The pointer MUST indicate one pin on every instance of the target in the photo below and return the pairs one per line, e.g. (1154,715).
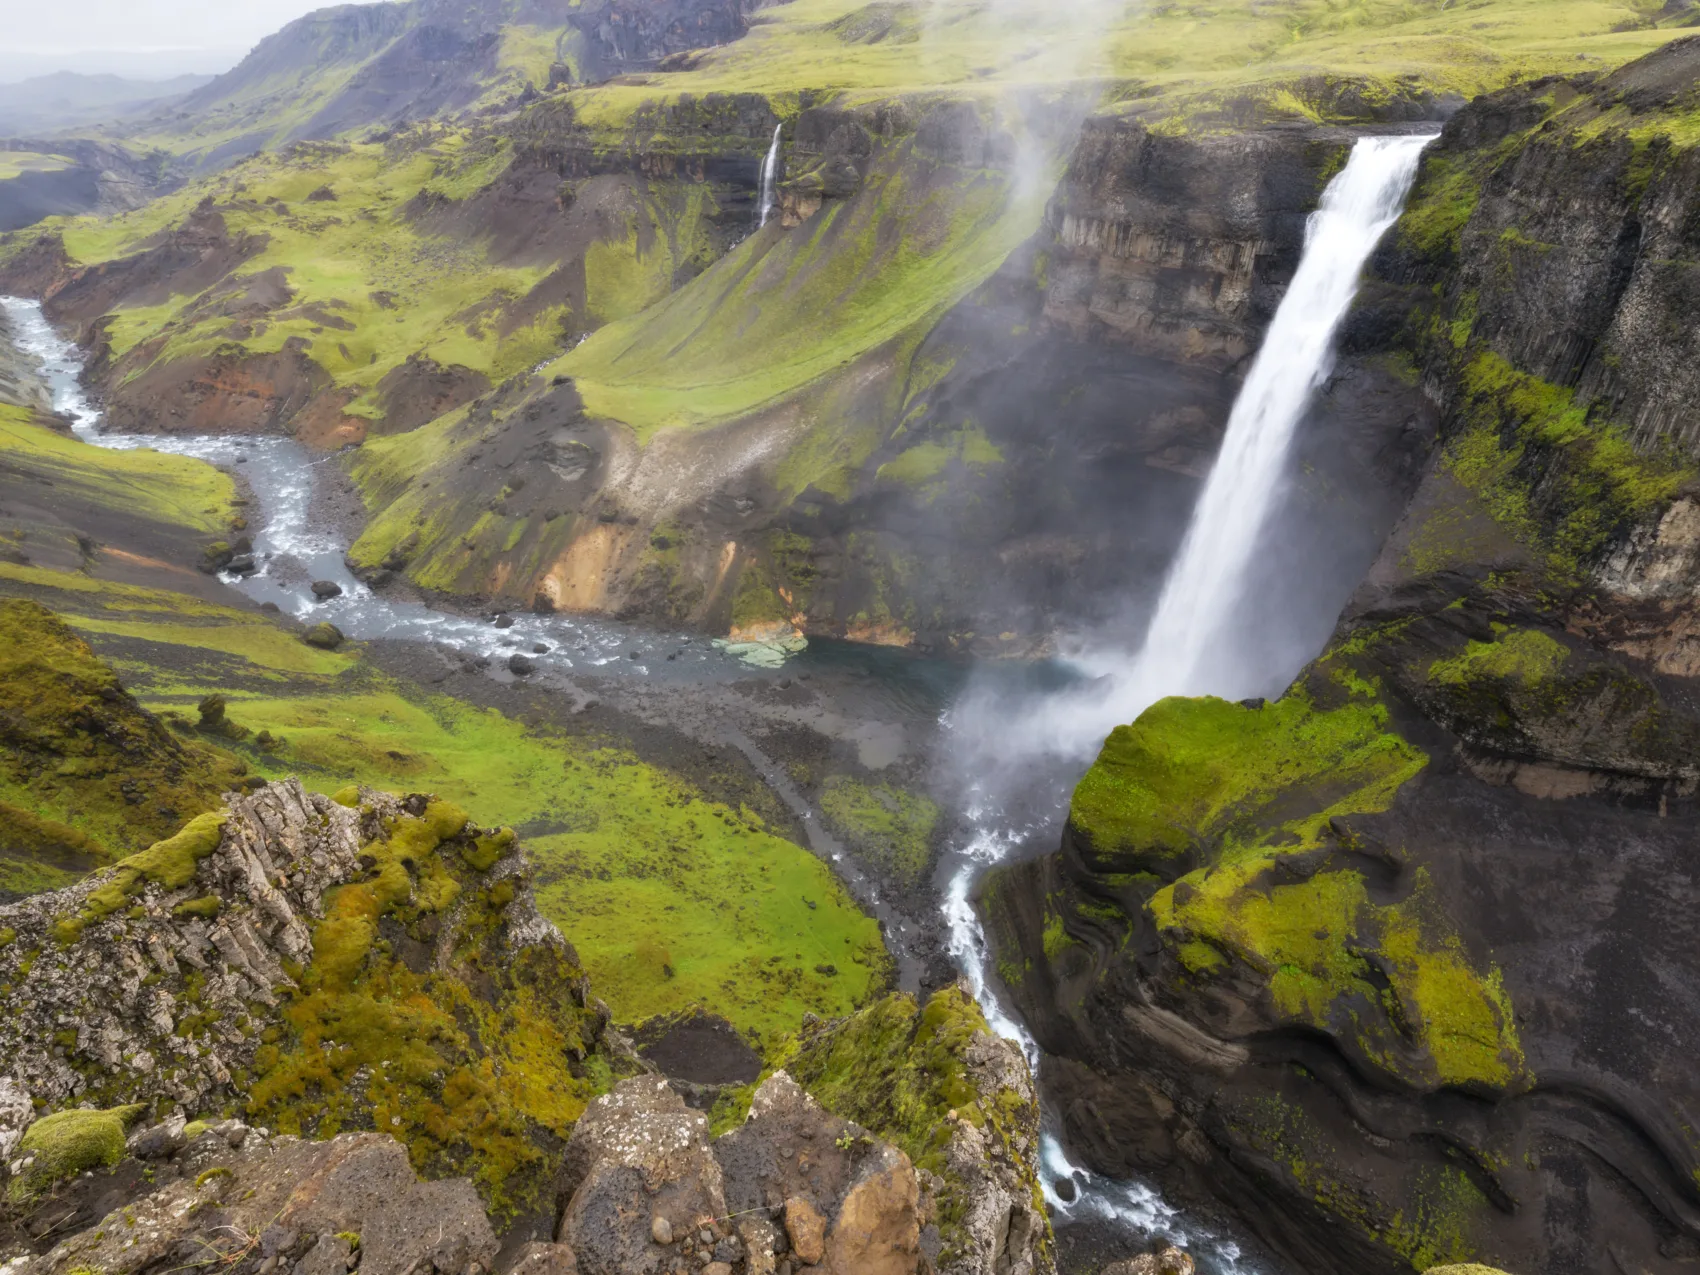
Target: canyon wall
(1392,966)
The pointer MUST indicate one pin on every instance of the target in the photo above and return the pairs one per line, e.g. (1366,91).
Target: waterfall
(769,180)
(1206,581)
(1194,615)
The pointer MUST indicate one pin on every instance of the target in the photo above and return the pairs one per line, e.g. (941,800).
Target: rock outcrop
(1390,966)
(249,1201)
(321,966)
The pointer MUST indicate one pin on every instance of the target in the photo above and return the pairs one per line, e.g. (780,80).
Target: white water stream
(1189,646)
(769,180)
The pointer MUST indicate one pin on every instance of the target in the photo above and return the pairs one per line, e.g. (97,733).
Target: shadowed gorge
(708,637)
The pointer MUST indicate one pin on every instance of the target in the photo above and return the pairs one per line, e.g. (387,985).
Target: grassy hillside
(751,919)
(1153,56)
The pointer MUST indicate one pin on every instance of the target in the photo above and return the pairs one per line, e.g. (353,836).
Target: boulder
(636,1156)
(521,664)
(324,590)
(324,635)
(1168,1261)
(545,1259)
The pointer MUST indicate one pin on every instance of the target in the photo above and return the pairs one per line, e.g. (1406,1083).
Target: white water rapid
(769,180)
(1189,646)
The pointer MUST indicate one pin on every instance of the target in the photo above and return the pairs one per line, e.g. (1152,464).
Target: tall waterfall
(1207,578)
(1184,651)
(769,180)
(1191,643)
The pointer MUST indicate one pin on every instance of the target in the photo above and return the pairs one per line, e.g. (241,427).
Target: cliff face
(1391,965)
(1006,462)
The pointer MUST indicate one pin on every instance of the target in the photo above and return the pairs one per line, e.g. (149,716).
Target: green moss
(901,1071)
(891,827)
(1190,773)
(1528,656)
(66,1144)
(485,851)
(476,1063)
(169,864)
(1562,485)
(1214,795)
(207,906)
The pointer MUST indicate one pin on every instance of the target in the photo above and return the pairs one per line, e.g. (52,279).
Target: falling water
(1206,582)
(769,180)
(1186,651)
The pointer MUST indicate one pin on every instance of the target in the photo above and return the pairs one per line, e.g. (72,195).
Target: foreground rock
(325,965)
(235,1198)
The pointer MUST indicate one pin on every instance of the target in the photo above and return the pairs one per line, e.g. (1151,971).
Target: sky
(143,38)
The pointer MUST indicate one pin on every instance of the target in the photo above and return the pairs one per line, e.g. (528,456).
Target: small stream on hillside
(1017,745)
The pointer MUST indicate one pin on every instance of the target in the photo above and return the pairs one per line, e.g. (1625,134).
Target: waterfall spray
(769,180)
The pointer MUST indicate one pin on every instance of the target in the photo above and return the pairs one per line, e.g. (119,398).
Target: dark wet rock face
(1392,966)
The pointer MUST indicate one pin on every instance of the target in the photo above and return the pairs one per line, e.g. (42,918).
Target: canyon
(707,417)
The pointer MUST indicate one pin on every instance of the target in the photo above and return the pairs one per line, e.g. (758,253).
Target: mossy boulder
(324,635)
(58,1147)
(959,1101)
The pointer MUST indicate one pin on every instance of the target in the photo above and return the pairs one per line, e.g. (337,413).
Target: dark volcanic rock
(324,590)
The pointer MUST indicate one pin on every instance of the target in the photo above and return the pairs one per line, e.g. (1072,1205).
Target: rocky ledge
(336,1033)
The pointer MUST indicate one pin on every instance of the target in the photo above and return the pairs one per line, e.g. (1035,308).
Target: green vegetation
(901,1070)
(1526,655)
(784,310)
(68,1143)
(1193,774)
(1292,57)
(888,826)
(79,752)
(15,163)
(1217,795)
(1436,1222)
(1591,485)
(397,265)
(176,490)
(672,899)
(38,854)
(476,1063)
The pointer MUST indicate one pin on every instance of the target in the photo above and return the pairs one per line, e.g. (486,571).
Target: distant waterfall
(769,180)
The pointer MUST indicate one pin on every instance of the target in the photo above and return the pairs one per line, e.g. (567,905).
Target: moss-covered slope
(320,967)
(85,771)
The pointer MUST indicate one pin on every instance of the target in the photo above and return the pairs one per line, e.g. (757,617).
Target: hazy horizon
(142,39)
